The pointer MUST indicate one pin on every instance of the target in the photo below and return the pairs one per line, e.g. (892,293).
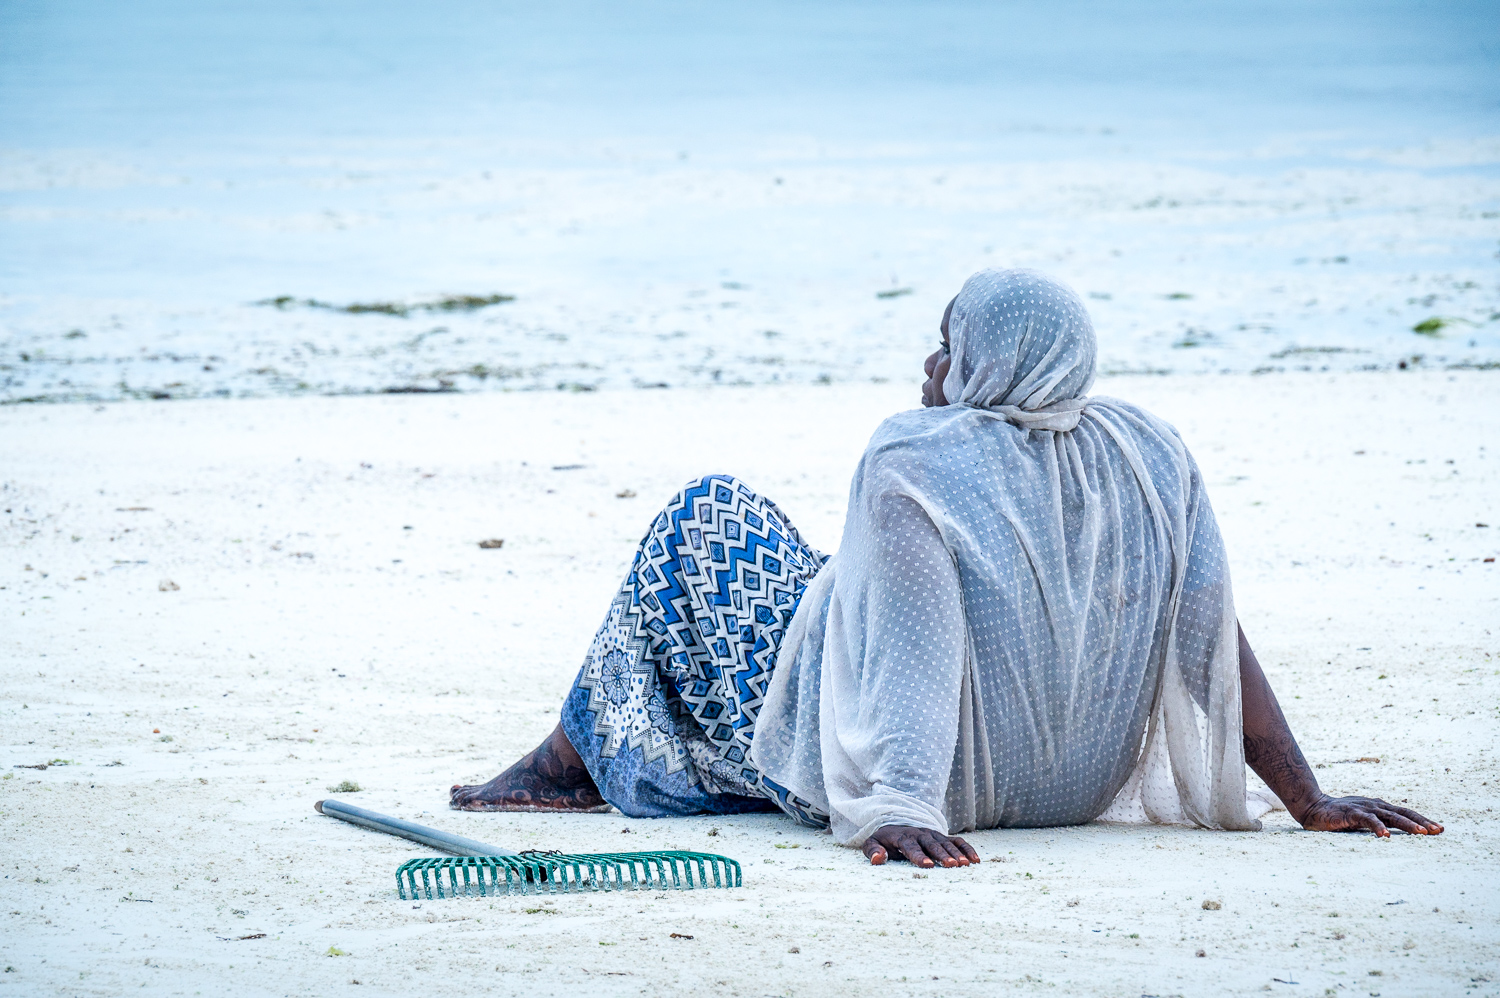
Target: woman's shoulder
(912,425)
(1134,415)
(910,436)
(1158,442)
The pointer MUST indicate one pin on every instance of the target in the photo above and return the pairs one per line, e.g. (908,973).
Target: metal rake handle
(447,842)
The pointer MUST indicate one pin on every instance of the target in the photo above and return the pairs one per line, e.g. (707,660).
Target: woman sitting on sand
(1028,623)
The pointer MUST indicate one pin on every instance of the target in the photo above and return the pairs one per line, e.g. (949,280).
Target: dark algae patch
(448,303)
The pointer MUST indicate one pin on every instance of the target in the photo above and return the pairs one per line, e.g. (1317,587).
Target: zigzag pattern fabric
(664,709)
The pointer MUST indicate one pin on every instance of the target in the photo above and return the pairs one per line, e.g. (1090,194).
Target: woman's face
(937,365)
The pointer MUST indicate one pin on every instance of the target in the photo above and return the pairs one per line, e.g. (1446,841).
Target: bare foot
(550,778)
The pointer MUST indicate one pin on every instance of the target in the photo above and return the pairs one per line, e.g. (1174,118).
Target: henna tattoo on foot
(546,779)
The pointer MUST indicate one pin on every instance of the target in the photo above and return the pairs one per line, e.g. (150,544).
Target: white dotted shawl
(1029,620)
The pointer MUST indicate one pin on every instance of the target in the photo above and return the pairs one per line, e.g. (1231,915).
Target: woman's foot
(551,777)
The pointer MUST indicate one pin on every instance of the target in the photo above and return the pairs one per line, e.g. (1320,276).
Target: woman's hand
(920,846)
(1354,814)
(1272,752)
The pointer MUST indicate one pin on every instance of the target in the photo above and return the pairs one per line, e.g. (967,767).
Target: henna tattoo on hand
(1277,759)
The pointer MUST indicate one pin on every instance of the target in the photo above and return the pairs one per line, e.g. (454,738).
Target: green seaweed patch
(1177,296)
(1432,326)
(466,303)
(449,303)
(376,307)
(483,372)
(1191,338)
(893,293)
(346,787)
(1293,351)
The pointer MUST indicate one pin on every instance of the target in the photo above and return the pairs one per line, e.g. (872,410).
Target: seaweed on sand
(448,303)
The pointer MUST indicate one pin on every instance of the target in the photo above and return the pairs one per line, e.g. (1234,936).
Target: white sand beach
(217,609)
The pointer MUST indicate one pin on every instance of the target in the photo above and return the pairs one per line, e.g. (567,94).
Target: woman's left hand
(920,846)
(1354,814)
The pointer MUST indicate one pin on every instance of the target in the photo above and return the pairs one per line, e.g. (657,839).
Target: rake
(481,870)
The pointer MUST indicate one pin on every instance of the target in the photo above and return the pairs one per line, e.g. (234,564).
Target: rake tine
(662,868)
(426,887)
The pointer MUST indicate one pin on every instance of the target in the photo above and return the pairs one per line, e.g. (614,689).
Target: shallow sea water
(689,194)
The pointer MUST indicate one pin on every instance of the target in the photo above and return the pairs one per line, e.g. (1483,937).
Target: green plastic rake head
(558,873)
(483,870)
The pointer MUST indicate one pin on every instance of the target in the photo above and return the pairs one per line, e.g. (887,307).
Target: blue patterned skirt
(663,710)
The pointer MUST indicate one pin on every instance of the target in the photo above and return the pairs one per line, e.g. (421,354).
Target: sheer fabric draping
(1029,620)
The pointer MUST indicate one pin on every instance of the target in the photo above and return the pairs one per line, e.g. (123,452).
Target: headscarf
(1023,349)
(1029,620)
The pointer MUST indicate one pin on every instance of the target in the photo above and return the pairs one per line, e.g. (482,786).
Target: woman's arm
(1272,752)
